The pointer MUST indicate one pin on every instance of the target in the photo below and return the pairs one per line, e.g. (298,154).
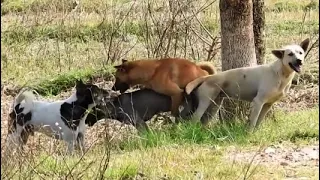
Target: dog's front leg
(211,110)
(265,109)
(80,142)
(70,147)
(202,107)
(256,107)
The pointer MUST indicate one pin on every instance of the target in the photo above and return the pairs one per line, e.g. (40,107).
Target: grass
(296,127)
(64,81)
(84,33)
(185,151)
(74,33)
(47,45)
(55,85)
(88,38)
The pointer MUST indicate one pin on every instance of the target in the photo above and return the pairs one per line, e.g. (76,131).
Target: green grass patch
(65,81)
(289,28)
(295,127)
(83,33)
(292,6)
(187,133)
(38,6)
(125,172)
(57,84)
(183,151)
(75,33)
(178,162)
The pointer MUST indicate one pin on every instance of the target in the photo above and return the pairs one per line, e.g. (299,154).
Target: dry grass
(183,152)
(48,44)
(59,40)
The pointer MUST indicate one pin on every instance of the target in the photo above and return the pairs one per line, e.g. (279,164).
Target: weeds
(47,45)
(287,128)
(182,150)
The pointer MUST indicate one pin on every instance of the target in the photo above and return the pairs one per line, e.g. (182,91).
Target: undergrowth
(65,81)
(178,151)
(298,126)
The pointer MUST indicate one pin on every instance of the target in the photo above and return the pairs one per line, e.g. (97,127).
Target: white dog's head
(292,56)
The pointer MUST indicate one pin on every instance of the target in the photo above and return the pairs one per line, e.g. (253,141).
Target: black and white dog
(140,106)
(63,120)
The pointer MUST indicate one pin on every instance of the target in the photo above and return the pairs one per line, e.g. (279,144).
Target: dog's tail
(207,66)
(195,83)
(28,97)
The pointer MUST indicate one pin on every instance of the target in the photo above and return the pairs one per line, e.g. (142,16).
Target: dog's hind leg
(176,102)
(256,107)
(80,142)
(205,96)
(70,147)
(265,109)
(70,140)
(176,93)
(203,105)
(211,110)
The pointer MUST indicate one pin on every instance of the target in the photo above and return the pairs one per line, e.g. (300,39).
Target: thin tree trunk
(237,46)
(259,30)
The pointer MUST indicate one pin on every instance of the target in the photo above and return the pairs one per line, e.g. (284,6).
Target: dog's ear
(91,80)
(124,61)
(278,53)
(304,44)
(123,67)
(79,83)
(120,68)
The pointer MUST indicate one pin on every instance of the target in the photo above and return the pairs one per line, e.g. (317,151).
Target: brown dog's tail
(207,66)
(195,83)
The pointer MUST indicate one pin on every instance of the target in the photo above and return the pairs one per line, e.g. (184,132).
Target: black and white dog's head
(90,93)
(87,96)
(107,109)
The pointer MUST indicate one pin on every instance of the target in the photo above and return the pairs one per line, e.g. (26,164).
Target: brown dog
(168,76)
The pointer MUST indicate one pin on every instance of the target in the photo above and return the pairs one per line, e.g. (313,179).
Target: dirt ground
(289,157)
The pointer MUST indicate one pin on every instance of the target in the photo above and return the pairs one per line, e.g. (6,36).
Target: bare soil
(289,157)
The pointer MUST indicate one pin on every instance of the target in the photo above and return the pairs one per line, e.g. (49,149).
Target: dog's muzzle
(296,66)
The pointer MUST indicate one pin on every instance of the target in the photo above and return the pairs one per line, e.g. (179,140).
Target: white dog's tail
(195,83)
(28,97)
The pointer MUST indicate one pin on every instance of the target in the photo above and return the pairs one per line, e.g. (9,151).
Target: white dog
(61,119)
(262,85)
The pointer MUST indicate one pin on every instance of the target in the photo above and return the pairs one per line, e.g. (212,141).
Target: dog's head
(121,84)
(90,93)
(106,110)
(292,56)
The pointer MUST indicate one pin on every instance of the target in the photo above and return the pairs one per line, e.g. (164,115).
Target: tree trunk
(259,36)
(258,30)
(237,46)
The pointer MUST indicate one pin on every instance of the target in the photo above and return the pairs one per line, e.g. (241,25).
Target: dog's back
(140,105)
(143,103)
(157,73)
